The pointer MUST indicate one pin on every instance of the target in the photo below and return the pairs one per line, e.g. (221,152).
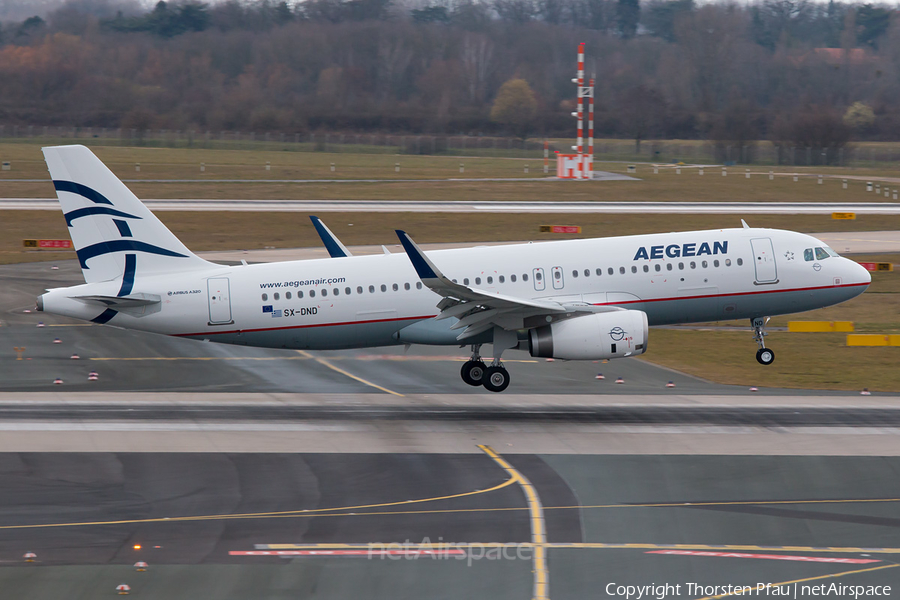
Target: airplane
(588,299)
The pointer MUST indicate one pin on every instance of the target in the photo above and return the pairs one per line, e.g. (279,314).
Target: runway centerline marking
(587,546)
(332,512)
(325,363)
(849,561)
(796,581)
(538,531)
(306,512)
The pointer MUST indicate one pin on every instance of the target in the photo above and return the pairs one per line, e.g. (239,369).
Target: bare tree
(476,61)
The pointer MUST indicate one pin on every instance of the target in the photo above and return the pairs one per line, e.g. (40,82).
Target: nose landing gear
(765,356)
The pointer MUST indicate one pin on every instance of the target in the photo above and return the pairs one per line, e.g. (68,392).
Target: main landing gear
(765,356)
(494,378)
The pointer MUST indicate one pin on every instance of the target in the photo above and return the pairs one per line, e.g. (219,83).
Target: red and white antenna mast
(584,162)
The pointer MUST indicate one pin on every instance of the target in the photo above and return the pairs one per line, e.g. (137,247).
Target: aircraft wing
(480,310)
(334,246)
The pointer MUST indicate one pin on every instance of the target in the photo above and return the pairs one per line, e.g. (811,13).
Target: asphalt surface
(638,414)
(213,525)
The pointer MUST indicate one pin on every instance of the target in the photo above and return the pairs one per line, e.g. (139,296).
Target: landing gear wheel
(765,356)
(473,372)
(496,379)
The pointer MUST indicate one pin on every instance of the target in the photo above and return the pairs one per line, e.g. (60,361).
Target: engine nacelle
(592,337)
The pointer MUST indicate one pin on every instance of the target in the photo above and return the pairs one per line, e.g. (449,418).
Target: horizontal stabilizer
(120,302)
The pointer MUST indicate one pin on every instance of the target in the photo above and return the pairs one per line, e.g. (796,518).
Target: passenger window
(808,254)
(512,278)
(633,269)
(383,288)
(587,272)
(681,266)
(490,280)
(740,262)
(668,266)
(336,291)
(705,264)
(324,292)
(574,272)
(287,295)
(647,268)
(406,286)
(821,254)
(716,263)
(557,275)
(621,270)
(395,287)
(359,289)
(599,272)
(693,265)
(610,271)
(538,276)
(312,293)
(418,285)
(727,262)
(299,294)
(478,281)
(658,268)
(348,291)
(276,296)
(371,289)
(265,297)
(466,281)
(524,276)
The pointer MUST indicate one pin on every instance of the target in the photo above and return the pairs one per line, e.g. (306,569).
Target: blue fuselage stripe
(105,316)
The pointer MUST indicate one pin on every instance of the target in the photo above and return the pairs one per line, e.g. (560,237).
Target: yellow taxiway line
(325,363)
(538,529)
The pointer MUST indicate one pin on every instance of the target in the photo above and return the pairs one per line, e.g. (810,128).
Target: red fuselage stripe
(306,326)
(807,289)
(420,318)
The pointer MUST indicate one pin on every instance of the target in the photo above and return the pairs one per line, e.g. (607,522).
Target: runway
(462,206)
(478,525)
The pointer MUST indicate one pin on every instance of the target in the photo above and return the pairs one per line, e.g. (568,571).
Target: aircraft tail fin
(114,234)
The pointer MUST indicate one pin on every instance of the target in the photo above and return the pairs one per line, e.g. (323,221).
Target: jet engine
(592,337)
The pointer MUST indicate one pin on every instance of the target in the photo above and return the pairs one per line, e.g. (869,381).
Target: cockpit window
(808,254)
(832,252)
(821,254)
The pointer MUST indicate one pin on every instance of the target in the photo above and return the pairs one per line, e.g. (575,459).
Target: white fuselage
(372,300)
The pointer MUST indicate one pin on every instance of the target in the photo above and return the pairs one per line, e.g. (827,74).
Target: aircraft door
(764,260)
(538,276)
(219,295)
(558,281)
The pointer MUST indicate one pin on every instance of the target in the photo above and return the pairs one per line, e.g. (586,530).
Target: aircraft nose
(859,274)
